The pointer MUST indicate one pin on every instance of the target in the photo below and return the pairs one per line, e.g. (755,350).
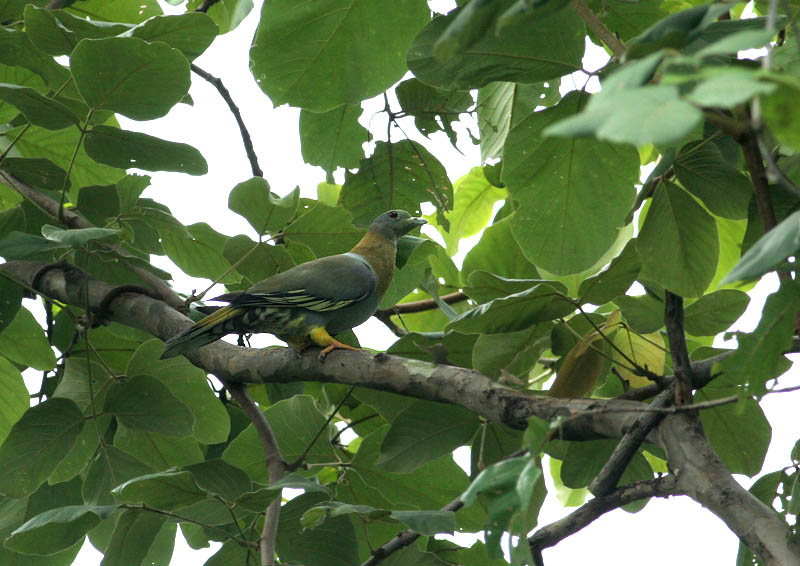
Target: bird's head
(395,223)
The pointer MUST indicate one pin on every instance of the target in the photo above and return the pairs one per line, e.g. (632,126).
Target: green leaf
(484,286)
(266,212)
(703,171)
(144,403)
(584,460)
(191,33)
(729,90)
(433,110)
(715,312)
(638,116)
(158,451)
(514,352)
(333,139)
(451,348)
(529,51)
(331,544)
(678,228)
(614,280)
(37,172)
(76,237)
(782,117)
(80,455)
(21,245)
(759,356)
(676,30)
(573,194)
(324,229)
(11,294)
(133,534)
(23,341)
(218,477)
(484,257)
(130,76)
(256,261)
(735,42)
(36,443)
(769,251)
(423,432)
(295,423)
(39,110)
(15,399)
(474,200)
(167,490)
(332,57)
(643,313)
(57,529)
(199,255)
(17,50)
(398,175)
(128,11)
(57,32)
(124,149)
(12,9)
(227,14)
(739,432)
(540,303)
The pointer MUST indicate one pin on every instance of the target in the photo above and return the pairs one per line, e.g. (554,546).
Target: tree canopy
(615,286)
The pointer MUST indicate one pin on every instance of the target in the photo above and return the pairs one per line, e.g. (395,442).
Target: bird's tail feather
(204,331)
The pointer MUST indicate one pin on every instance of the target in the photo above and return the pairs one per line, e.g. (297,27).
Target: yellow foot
(321,337)
(335,344)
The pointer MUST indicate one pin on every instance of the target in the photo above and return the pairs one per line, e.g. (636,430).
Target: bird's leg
(321,337)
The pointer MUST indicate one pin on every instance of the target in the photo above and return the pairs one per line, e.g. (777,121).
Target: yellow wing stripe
(216,317)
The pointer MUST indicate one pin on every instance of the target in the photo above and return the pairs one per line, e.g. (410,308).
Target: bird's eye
(393,214)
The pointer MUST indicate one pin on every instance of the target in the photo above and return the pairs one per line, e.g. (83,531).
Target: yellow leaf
(647,350)
(582,365)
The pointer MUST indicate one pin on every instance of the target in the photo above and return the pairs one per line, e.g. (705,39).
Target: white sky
(618,537)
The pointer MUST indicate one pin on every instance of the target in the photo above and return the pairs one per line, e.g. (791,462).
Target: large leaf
(423,432)
(130,76)
(324,229)
(110,467)
(144,403)
(10,299)
(57,529)
(163,490)
(715,312)
(337,52)
(133,534)
(38,109)
(295,423)
(199,255)
(266,212)
(15,399)
(397,175)
(189,385)
(773,247)
(484,257)
(532,50)
(701,168)
(759,356)
(23,341)
(191,33)
(573,194)
(124,149)
(475,197)
(678,243)
(57,32)
(36,443)
(333,139)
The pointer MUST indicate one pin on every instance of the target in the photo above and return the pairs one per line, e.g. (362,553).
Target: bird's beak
(414,222)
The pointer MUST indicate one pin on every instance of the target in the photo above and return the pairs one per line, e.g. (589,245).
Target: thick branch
(594,508)
(704,478)
(226,96)
(673,320)
(72,220)
(276,466)
(598,27)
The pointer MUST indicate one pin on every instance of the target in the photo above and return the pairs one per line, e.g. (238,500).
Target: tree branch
(606,480)
(276,466)
(673,319)
(423,305)
(50,207)
(594,508)
(700,473)
(597,26)
(226,96)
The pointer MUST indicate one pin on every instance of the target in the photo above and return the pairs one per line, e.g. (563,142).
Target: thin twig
(294,465)
(597,26)
(226,96)
(594,508)
(276,467)
(401,540)
(423,305)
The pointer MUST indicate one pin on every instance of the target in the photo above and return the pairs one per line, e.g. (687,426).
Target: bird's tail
(204,331)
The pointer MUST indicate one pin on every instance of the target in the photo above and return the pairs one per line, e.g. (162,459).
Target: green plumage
(310,301)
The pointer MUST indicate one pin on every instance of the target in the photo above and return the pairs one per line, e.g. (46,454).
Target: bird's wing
(325,284)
